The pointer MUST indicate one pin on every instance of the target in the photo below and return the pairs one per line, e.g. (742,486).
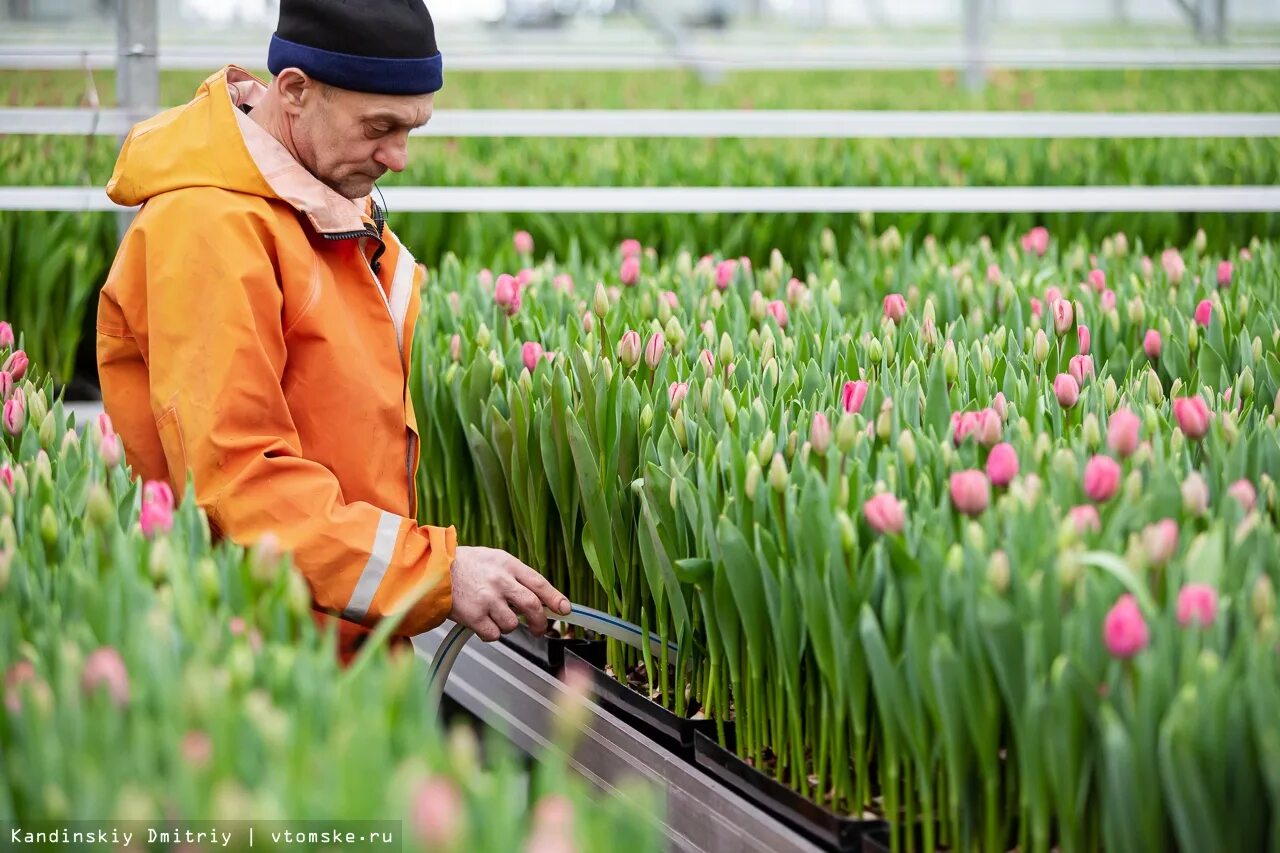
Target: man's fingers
(529,606)
(504,617)
(541,587)
(486,629)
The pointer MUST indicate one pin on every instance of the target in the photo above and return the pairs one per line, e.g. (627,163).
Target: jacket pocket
(175,449)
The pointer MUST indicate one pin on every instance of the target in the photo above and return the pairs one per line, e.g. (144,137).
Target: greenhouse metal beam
(772,124)
(517,698)
(482,58)
(1117,199)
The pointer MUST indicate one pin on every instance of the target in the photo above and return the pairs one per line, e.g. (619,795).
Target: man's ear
(295,87)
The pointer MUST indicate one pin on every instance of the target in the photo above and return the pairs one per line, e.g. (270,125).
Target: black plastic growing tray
(548,652)
(832,831)
(675,733)
(876,840)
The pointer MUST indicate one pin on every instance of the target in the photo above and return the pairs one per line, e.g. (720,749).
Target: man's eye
(378,130)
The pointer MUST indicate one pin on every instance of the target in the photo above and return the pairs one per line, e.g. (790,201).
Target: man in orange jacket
(256,326)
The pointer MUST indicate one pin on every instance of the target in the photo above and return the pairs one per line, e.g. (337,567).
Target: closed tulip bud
(875,351)
(752,479)
(629,349)
(654,350)
(1155,391)
(483,337)
(846,433)
(950,361)
(681,430)
(1066,389)
(955,559)
(998,574)
(48,526)
(1195,494)
(675,334)
(600,300)
(771,373)
(1070,570)
(1092,431)
(1230,428)
(884,422)
(498,371)
(848,534)
(906,447)
(1262,598)
(98,506)
(1063,316)
(835,295)
(1246,382)
(47,430)
(975,537)
(756,306)
(778,474)
(820,433)
(1040,347)
(1064,465)
(765,449)
(792,439)
(767,353)
(1137,311)
(726,348)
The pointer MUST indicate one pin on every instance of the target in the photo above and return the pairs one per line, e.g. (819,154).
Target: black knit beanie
(383,46)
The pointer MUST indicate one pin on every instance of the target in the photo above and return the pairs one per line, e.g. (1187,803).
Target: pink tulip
(676,393)
(777,309)
(796,291)
(1037,307)
(820,433)
(708,361)
(1000,405)
(993,273)
(523,241)
(1192,415)
(1036,240)
(1174,266)
(105,668)
(629,348)
(885,513)
(1152,345)
(1244,493)
(6,385)
(19,674)
(895,307)
(1085,519)
(970,492)
(1224,274)
(455,347)
(436,812)
(989,428)
(1098,279)
(1148,268)
(110,450)
(15,415)
(962,426)
(1083,338)
(1204,313)
(1063,316)
(852,396)
(725,271)
(16,365)
(197,749)
(155,518)
(1245,255)
(485,277)
(1052,295)
(669,296)
(1080,367)
(6,336)
(1108,301)
(1101,478)
(654,350)
(1124,630)
(506,294)
(746,263)
(158,492)
(1160,541)
(563,283)
(529,354)
(631,248)
(524,278)
(552,830)
(629,274)
(1122,433)
(1067,390)
(6,476)
(1197,605)
(1002,464)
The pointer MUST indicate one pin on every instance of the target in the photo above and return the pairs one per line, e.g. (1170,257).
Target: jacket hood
(211,142)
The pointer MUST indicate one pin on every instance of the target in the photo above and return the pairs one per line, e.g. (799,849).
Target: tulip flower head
(1124,630)
(725,272)
(1204,313)
(1036,241)
(16,365)
(1085,519)
(530,354)
(1124,433)
(970,492)
(1066,389)
(1244,493)
(853,395)
(6,336)
(1224,275)
(629,272)
(885,513)
(1152,344)
(1101,478)
(1192,415)
(104,668)
(1002,464)
(1197,605)
(895,307)
(631,248)
(1160,541)
(523,242)
(506,294)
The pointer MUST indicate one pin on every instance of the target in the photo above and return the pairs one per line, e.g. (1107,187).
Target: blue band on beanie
(412,76)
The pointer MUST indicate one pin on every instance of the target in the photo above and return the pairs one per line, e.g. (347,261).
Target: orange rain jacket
(256,328)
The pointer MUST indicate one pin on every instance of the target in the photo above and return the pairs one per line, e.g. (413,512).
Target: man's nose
(393,155)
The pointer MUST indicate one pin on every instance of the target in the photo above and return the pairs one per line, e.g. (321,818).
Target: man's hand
(490,587)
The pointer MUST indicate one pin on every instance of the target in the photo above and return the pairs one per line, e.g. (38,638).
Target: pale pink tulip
(895,307)
(1197,605)
(1192,415)
(1000,405)
(524,278)
(1002,464)
(1124,630)
(1036,240)
(970,492)
(1101,478)
(962,426)
(435,813)
(1174,266)
(1244,494)
(455,347)
(197,749)
(16,365)
(1245,255)
(523,242)
(989,428)
(629,348)
(629,274)
(1083,338)
(563,283)
(1108,301)
(1160,541)
(676,393)
(1037,307)
(820,433)
(777,309)
(654,350)
(1148,268)
(1067,390)
(6,336)
(158,492)
(485,277)
(1123,433)
(669,296)
(15,415)
(725,272)
(1052,295)
(708,361)
(796,291)
(6,476)
(110,450)
(105,668)
(1224,274)
(1152,344)
(853,395)
(631,248)
(1204,313)
(1098,279)
(1085,519)
(6,385)
(1063,316)
(1080,367)
(993,273)
(529,354)
(885,513)
(19,674)
(155,518)
(506,294)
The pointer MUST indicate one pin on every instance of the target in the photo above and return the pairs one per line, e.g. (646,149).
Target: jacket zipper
(376,233)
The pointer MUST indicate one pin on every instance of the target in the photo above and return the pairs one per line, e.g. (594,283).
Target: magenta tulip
(1002,464)
(1124,630)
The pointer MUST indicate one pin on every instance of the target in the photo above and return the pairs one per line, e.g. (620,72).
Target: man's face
(349,140)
